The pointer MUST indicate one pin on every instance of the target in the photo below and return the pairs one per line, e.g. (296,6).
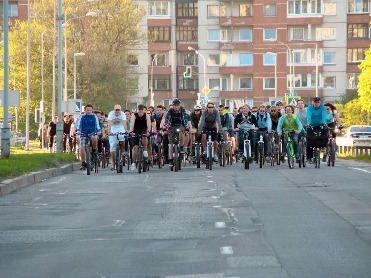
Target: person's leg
(240,140)
(295,139)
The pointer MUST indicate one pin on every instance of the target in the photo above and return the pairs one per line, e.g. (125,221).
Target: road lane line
(362,170)
(58,181)
(118,223)
(226,250)
(219,224)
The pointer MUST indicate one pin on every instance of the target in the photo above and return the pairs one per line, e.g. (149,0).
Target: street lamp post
(60,115)
(5,130)
(291,65)
(203,59)
(152,102)
(65,24)
(275,73)
(74,72)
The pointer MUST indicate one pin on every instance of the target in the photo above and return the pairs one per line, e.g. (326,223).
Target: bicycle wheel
(159,156)
(140,159)
(261,154)
(210,157)
(96,165)
(222,155)
(117,158)
(103,158)
(247,157)
(300,155)
(279,152)
(303,153)
(88,159)
(176,157)
(332,153)
(198,156)
(317,158)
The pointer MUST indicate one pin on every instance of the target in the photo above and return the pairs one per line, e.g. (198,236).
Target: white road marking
(217,206)
(210,181)
(61,193)
(58,181)
(219,224)
(226,250)
(146,178)
(118,223)
(362,170)
(37,198)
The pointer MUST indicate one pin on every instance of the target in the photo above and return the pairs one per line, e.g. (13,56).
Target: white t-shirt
(117,121)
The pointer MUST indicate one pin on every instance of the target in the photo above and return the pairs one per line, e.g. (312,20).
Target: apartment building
(250,51)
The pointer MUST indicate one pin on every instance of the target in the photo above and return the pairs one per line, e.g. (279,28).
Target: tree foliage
(364,84)
(104,75)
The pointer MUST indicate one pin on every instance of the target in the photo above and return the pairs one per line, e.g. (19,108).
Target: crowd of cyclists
(177,125)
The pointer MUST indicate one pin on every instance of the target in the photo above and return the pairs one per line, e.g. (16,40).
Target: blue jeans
(252,138)
(295,140)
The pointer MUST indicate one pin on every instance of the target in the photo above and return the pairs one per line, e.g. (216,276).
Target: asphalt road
(228,222)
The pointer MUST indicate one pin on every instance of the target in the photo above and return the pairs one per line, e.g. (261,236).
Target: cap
(176,101)
(279,102)
(316,99)
(197,107)
(117,106)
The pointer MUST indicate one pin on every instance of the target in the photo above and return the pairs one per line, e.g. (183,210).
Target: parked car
(359,131)
(20,138)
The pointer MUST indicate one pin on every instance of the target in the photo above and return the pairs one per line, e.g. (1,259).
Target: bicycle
(104,156)
(176,152)
(330,150)
(246,150)
(317,138)
(289,148)
(209,150)
(273,149)
(120,159)
(302,150)
(160,160)
(92,162)
(142,163)
(260,149)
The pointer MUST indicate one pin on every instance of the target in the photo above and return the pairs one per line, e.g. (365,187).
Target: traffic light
(188,72)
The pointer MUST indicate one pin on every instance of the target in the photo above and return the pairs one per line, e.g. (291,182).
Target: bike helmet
(176,101)
(279,103)
(197,107)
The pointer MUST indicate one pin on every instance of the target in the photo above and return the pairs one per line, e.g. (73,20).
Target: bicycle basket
(317,137)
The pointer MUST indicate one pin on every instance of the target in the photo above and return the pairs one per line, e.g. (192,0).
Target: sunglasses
(273,111)
(210,107)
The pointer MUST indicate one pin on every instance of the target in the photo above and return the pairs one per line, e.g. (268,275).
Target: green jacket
(285,124)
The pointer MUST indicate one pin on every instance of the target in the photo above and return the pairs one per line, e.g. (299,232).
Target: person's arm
(337,119)
(269,121)
(132,122)
(185,118)
(299,124)
(254,121)
(97,126)
(237,120)
(220,128)
(149,124)
(167,118)
(201,123)
(280,124)
(309,115)
(323,115)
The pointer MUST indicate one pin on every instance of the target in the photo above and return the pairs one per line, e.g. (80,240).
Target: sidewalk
(11,185)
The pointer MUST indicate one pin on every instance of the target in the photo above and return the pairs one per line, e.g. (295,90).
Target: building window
(355,55)
(299,7)
(325,34)
(245,83)
(246,34)
(216,11)
(12,10)
(358,31)
(161,82)
(269,59)
(187,9)
(132,59)
(190,84)
(159,34)
(189,59)
(159,8)
(160,60)
(329,8)
(270,10)
(329,58)
(186,33)
(246,59)
(297,34)
(213,35)
(245,10)
(357,6)
(304,80)
(270,34)
(213,60)
(269,83)
(329,82)
(218,84)
(352,80)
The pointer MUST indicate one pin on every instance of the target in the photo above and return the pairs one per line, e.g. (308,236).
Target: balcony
(236,70)
(236,46)
(304,19)
(235,21)
(183,45)
(159,46)
(160,69)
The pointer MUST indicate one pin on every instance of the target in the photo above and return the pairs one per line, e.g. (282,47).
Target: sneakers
(297,160)
(171,163)
(133,167)
(204,153)
(83,166)
(310,161)
(215,158)
(145,154)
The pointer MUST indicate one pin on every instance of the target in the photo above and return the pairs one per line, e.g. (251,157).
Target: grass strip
(22,162)
(363,157)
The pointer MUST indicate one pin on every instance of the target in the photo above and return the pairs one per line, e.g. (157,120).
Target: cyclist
(195,119)
(301,112)
(66,133)
(210,122)
(226,121)
(87,124)
(316,116)
(103,139)
(290,122)
(152,133)
(176,118)
(332,120)
(246,121)
(116,123)
(140,124)
(158,116)
(264,124)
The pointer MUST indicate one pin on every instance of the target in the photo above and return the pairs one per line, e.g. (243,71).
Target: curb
(11,185)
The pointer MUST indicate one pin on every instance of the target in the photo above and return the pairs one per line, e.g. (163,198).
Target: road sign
(292,100)
(14,98)
(78,106)
(206,90)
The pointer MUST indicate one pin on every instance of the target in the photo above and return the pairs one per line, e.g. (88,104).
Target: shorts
(84,140)
(212,131)
(172,133)
(135,140)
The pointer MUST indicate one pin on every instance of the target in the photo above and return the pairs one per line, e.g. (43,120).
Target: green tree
(364,84)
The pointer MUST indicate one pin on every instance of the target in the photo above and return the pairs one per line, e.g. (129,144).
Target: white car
(359,131)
